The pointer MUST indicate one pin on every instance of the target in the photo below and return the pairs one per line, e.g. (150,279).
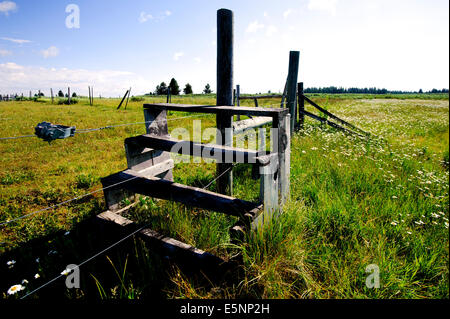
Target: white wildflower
(14,289)
(24,282)
(37,276)
(66,272)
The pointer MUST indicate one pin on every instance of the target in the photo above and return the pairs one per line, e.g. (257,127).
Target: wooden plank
(156,124)
(325,121)
(269,188)
(128,97)
(333,116)
(191,196)
(294,57)
(219,153)
(243,110)
(271,96)
(123,99)
(241,126)
(165,244)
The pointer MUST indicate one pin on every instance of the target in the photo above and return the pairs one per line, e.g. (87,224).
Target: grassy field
(354,202)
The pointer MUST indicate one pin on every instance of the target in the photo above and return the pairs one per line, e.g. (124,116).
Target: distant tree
(207,89)
(74,94)
(187,89)
(161,89)
(174,88)
(60,93)
(420,91)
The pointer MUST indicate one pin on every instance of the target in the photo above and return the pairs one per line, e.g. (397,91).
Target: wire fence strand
(124,238)
(82,131)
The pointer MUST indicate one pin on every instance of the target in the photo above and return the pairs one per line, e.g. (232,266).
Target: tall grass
(354,202)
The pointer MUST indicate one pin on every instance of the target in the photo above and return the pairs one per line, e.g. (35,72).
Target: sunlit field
(355,202)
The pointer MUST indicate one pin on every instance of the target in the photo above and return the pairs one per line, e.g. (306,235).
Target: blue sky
(396,44)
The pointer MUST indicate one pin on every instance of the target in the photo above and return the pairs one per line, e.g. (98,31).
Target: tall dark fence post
(224,94)
(294,57)
(301,106)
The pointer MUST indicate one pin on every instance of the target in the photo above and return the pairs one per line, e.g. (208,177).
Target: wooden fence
(150,166)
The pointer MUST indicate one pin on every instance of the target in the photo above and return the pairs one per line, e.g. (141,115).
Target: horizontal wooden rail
(188,195)
(333,116)
(232,110)
(167,245)
(272,96)
(220,153)
(241,126)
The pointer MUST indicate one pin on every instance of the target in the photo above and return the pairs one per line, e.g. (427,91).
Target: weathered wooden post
(301,106)
(68,94)
(51,93)
(129,92)
(224,94)
(294,57)
(282,145)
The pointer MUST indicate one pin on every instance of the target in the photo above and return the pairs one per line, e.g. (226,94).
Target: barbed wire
(87,260)
(82,131)
(126,237)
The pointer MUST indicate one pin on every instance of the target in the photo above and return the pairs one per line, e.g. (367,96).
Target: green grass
(353,203)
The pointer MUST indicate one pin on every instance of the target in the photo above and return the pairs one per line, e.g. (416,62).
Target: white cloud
(144,17)
(50,52)
(197,60)
(265,14)
(287,13)
(271,30)
(19,41)
(254,27)
(323,5)
(178,55)
(19,78)
(5,52)
(7,6)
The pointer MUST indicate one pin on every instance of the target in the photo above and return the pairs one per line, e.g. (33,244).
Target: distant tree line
(163,88)
(374,90)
